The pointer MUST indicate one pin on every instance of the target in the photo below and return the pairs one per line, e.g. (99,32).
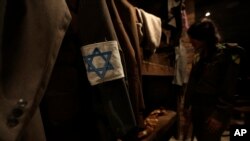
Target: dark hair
(204,30)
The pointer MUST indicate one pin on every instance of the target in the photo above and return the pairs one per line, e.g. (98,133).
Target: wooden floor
(225,137)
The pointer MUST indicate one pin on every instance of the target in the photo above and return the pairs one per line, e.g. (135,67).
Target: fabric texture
(31,38)
(151,29)
(103,62)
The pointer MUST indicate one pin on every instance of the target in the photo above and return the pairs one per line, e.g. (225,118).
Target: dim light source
(207,14)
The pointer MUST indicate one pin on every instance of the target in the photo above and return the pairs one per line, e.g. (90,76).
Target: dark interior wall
(156,7)
(230,15)
(159,92)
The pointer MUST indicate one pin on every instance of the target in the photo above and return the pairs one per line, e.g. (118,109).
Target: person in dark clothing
(212,82)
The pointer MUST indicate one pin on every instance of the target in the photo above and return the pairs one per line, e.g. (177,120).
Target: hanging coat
(98,38)
(31,38)
(126,30)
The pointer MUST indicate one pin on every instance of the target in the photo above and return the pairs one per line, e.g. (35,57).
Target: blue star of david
(99,70)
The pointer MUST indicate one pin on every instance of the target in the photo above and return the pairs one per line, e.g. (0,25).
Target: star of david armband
(102,61)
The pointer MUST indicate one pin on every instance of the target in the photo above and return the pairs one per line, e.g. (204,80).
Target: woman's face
(197,44)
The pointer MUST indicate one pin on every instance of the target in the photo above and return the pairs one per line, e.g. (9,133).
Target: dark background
(232,18)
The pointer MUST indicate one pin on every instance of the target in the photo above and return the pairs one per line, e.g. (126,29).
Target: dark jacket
(87,96)
(112,95)
(212,85)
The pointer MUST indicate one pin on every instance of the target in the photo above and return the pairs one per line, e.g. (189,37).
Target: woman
(211,84)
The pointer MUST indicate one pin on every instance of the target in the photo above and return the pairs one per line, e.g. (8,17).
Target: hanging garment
(150,30)
(172,5)
(181,72)
(31,38)
(88,82)
(98,38)
(123,10)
